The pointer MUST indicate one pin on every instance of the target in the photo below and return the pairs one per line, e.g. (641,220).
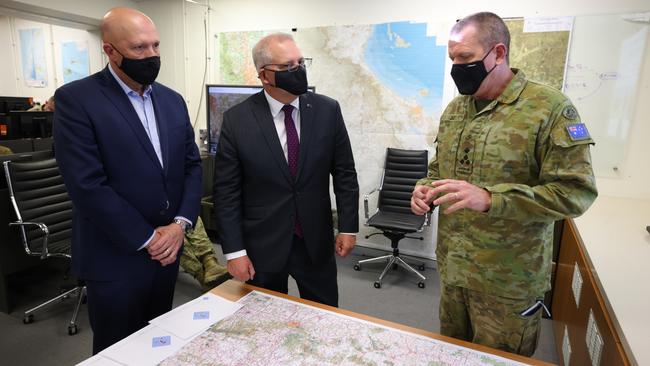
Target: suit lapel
(123,105)
(163,133)
(306,128)
(265,121)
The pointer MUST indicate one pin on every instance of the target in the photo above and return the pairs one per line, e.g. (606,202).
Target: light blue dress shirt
(143,106)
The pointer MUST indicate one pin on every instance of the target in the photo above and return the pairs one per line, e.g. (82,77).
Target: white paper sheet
(192,318)
(98,360)
(547,24)
(138,350)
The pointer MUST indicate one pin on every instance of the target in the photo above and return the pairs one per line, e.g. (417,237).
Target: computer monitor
(219,99)
(8,104)
(30,124)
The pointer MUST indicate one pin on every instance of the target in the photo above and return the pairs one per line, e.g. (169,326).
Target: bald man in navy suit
(126,149)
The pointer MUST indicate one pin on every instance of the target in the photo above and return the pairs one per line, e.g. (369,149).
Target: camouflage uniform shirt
(520,149)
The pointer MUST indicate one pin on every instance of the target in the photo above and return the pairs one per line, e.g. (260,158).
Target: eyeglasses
(303,62)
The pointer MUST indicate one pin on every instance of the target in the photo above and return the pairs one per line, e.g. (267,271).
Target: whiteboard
(603,69)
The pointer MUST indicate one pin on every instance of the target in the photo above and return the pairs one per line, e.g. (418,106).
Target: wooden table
(234,290)
(604,258)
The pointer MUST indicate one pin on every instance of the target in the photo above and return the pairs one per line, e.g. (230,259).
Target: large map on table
(269,330)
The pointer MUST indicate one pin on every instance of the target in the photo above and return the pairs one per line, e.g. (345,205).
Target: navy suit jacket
(120,191)
(255,196)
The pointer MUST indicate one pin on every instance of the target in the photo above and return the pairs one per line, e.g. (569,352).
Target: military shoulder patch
(570,112)
(578,131)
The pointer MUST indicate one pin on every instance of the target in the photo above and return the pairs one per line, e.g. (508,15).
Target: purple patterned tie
(293,150)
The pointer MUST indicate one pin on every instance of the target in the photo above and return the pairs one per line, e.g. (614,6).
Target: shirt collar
(276,106)
(127,90)
(514,88)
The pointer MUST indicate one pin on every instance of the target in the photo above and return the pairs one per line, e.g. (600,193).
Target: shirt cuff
(184,219)
(146,243)
(235,255)
(353,234)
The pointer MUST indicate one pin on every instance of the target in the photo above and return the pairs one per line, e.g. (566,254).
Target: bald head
(129,34)
(122,22)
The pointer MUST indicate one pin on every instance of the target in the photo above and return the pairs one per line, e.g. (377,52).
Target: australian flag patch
(578,131)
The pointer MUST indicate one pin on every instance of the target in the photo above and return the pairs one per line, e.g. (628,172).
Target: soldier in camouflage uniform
(200,260)
(512,156)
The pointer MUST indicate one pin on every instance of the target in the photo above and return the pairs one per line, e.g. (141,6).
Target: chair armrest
(44,229)
(365,202)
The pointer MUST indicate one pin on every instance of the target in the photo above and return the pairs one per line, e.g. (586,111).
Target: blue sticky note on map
(161,341)
(200,315)
(578,131)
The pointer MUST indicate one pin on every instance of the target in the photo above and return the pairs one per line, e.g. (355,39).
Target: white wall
(13,83)
(68,9)
(7,64)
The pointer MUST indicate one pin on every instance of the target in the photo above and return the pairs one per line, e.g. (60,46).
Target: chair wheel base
(72,329)
(27,319)
(377,284)
(357,267)
(421,284)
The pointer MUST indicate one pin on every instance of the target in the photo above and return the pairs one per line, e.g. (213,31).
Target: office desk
(607,251)
(233,290)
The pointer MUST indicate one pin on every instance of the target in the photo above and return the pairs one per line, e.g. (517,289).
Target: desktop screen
(220,99)
(25,124)
(8,104)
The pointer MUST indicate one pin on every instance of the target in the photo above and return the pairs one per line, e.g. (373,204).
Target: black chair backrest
(402,170)
(40,196)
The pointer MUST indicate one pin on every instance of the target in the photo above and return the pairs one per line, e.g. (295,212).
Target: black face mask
(468,77)
(143,71)
(295,82)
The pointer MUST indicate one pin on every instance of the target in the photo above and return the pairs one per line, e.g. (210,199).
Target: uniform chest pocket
(507,156)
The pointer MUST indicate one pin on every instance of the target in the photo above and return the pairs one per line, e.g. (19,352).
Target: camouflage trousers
(489,320)
(197,247)
(5,150)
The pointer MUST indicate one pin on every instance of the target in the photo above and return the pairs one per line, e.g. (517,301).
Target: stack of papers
(167,333)
(194,317)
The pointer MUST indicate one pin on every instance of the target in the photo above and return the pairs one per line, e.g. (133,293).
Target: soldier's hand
(344,244)
(421,199)
(461,194)
(241,268)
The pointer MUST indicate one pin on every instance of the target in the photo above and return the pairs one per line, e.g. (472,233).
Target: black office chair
(403,168)
(44,219)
